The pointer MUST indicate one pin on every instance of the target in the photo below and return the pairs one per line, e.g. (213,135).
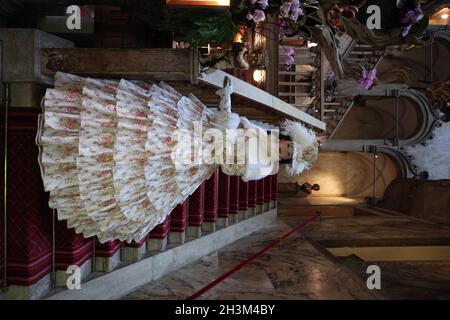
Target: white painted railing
(248,91)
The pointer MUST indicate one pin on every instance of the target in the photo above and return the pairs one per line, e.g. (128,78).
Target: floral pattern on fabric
(106,154)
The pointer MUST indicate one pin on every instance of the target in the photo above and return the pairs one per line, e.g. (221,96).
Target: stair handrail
(216,78)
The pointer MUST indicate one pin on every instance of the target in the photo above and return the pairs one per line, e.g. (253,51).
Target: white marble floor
(293,270)
(300,268)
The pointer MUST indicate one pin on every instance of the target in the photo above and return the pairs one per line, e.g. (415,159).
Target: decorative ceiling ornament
(234,58)
(438,93)
(343,9)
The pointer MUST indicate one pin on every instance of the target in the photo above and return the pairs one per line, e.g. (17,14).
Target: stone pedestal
(31,292)
(134,251)
(194,232)
(71,249)
(157,238)
(233,218)
(221,223)
(243,200)
(208,227)
(211,198)
(274,189)
(132,254)
(107,264)
(156,244)
(224,198)
(195,213)
(267,193)
(273,204)
(260,196)
(178,223)
(258,209)
(107,255)
(62,275)
(177,237)
(252,193)
(244,214)
(233,211)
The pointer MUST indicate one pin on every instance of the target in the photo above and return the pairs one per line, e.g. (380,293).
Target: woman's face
(285,149)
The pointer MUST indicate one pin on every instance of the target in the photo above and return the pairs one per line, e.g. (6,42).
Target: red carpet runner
(250,259)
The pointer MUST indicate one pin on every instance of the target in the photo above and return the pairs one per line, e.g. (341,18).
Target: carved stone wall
(424,199)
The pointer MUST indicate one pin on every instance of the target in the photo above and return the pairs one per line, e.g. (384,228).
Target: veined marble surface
(375,230)
(300,269)
(402,280)
(294,270)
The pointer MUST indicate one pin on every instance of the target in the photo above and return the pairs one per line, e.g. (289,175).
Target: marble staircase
(222,210)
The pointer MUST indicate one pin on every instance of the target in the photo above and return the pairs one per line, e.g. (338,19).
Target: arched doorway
(377,117)
(344,178)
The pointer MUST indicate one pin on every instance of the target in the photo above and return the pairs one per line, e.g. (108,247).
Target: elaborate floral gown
(105,153)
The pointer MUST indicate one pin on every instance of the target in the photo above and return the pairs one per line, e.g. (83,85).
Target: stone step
(117,283)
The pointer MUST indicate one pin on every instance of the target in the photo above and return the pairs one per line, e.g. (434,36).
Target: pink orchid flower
(294,15)
(406,30)
(411,17)
(367,78)
(289,56)
(295,4)
(258,16)
(285,9)
(264,3)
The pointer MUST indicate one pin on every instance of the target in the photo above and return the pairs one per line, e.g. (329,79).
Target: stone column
(29,219)
(224,200)
(243,199)
(274,191)
(178,223)
(252,192)
(195,214)
(260,196)
(107,255)
(157,238)
(71,249)
(134,251)
(234,199)
(211,203)
(267,193)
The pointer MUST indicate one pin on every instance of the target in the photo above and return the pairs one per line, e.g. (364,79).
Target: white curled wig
(305,147)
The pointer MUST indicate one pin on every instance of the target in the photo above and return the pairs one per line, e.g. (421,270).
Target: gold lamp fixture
(199,3)
(441,17)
